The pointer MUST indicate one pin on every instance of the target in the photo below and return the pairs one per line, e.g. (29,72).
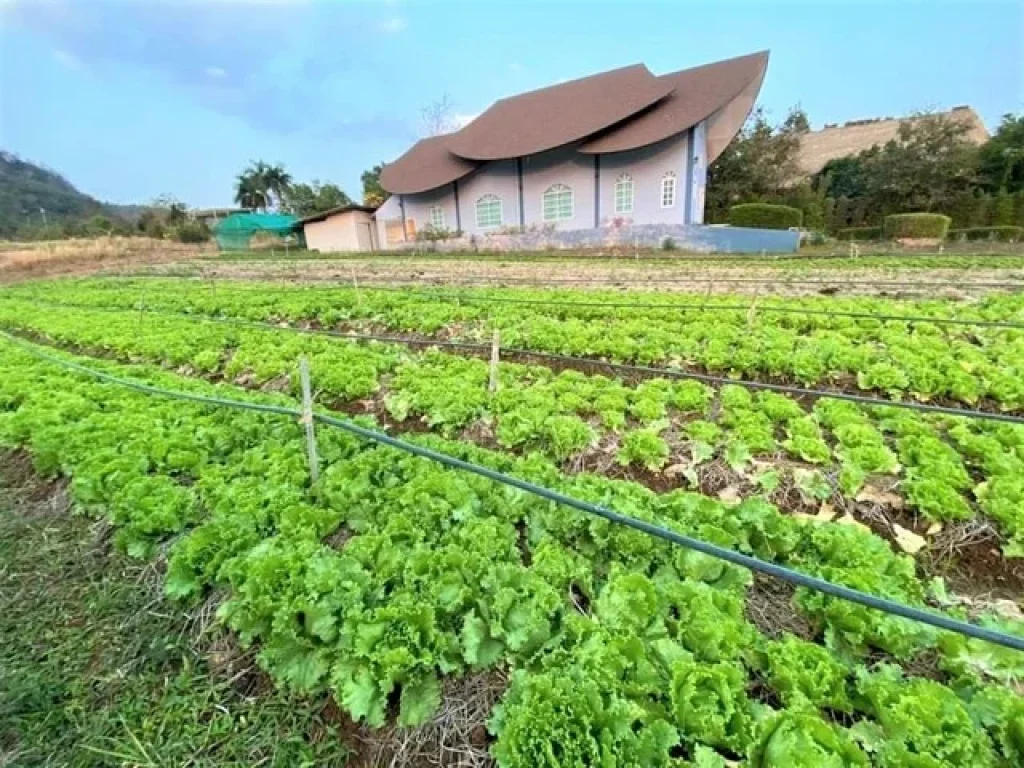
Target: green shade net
(235,233)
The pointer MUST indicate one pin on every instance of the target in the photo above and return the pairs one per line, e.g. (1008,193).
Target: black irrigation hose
(591,362)
(713,550)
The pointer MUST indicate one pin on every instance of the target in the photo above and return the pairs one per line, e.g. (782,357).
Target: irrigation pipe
(688,542)
(586,362)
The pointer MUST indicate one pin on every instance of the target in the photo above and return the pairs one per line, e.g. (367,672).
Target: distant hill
(834,141)
(27,189)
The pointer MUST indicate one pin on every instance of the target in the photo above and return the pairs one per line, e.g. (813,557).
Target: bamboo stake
(492,387)
(355,286)
(307,420)
(751,313)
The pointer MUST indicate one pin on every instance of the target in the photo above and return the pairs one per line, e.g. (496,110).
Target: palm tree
(261,185)
(250,192)
(277,181)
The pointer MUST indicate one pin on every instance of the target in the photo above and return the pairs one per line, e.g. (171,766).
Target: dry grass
(20,261)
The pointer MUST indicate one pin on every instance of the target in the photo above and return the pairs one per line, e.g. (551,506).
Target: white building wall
(497,178)
(342,232)
(559,166)
(647,167)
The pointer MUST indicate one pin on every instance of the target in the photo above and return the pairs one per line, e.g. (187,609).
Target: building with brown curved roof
(620,147)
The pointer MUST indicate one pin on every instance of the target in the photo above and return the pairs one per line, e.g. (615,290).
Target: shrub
(668,244)
(432,234)
(916,225)
(814,237)
(997,234)
(191,232)
(859,233)
(1002,209)
(765,216)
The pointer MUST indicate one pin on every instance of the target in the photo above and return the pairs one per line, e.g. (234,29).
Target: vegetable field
(873,443)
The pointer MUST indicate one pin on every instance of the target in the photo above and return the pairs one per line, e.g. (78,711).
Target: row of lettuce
(927,361)
(394,573)
(946,469)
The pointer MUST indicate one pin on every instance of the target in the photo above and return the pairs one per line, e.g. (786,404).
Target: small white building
(348,228)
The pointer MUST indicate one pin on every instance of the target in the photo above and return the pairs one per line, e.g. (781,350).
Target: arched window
(668,190)
(557,203)
(488,212)
(624,194)
(436,217)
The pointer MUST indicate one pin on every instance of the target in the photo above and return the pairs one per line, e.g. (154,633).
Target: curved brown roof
(427,165)
(613,111)
(696,94)
(539,120)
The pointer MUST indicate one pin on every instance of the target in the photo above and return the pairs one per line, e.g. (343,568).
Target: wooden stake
(495,353)
(142,304)
(753,309)
(355,285)
(711,287)
(307,420)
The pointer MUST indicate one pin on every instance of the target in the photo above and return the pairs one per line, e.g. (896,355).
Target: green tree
(277,181)
(828,214)
(261,186)
(964,209)
(923,168)
(1001,158)
(308,199)
(150,224)
(983,214)
(846,176)
(757,164)
(1002,209)
(249,194)
(373,192)
(98,225)
(809,200)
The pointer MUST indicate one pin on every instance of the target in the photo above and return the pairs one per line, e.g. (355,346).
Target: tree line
(262,187)
(930,166)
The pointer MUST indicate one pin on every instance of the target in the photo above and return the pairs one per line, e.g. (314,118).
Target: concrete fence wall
(704,239)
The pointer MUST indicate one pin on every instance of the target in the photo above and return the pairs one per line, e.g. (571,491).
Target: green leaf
(479,649)
(419,701)
(363,698)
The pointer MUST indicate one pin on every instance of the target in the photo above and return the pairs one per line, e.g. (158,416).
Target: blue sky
(131,99)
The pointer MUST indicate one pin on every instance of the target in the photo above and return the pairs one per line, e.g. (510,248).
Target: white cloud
(215,72)
(393,25)
(461,121)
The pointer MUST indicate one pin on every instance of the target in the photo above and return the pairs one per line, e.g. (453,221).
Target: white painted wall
(647,166)
(349,231)
(497,178)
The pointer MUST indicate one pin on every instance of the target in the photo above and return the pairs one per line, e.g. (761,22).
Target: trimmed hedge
(765,216)
(1007,234)
(916,225)
(859,233)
